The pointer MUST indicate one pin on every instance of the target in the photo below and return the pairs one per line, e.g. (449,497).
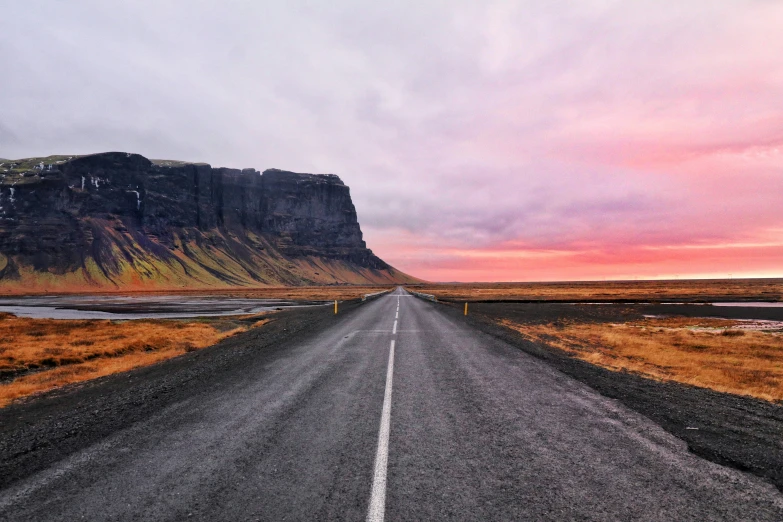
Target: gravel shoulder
(740,432)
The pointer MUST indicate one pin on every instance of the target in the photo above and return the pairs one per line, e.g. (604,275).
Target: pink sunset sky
(482,141)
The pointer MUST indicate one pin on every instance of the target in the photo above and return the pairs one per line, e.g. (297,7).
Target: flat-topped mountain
(120,221)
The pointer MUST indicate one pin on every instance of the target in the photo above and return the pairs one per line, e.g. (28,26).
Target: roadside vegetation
(38,355)
(712,353)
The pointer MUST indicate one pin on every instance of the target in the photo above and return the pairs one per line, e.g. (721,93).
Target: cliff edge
(119,221)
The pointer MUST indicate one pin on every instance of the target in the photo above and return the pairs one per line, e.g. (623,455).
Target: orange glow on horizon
(750,259)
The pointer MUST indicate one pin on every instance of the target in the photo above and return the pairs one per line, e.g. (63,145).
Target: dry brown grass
(724,289)
(304,293)
(49,353)
(294,293)
(710,353)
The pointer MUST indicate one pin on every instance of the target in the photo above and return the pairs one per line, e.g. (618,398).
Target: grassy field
(21,171)
(711,353)
(37,355)
(689,290)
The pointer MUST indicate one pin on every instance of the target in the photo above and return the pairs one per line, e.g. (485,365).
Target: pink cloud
(711,261)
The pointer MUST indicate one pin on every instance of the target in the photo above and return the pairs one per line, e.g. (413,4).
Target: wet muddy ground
(619,312)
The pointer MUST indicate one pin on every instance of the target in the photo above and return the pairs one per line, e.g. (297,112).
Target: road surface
(397,412)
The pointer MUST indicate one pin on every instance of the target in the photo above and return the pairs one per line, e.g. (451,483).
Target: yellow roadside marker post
(466,308)
(335,306)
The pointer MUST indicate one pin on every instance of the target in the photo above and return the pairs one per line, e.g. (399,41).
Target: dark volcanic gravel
(741,432)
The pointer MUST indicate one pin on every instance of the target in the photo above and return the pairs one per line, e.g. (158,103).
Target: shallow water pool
(140,307)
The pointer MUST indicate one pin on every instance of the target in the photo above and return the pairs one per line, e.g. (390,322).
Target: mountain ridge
(119,221)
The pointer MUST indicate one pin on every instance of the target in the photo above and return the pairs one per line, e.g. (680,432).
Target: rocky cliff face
(118,220)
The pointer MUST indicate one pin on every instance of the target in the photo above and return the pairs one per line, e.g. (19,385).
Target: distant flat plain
(691,290)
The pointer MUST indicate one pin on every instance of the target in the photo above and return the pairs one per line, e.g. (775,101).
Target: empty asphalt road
(396,411)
